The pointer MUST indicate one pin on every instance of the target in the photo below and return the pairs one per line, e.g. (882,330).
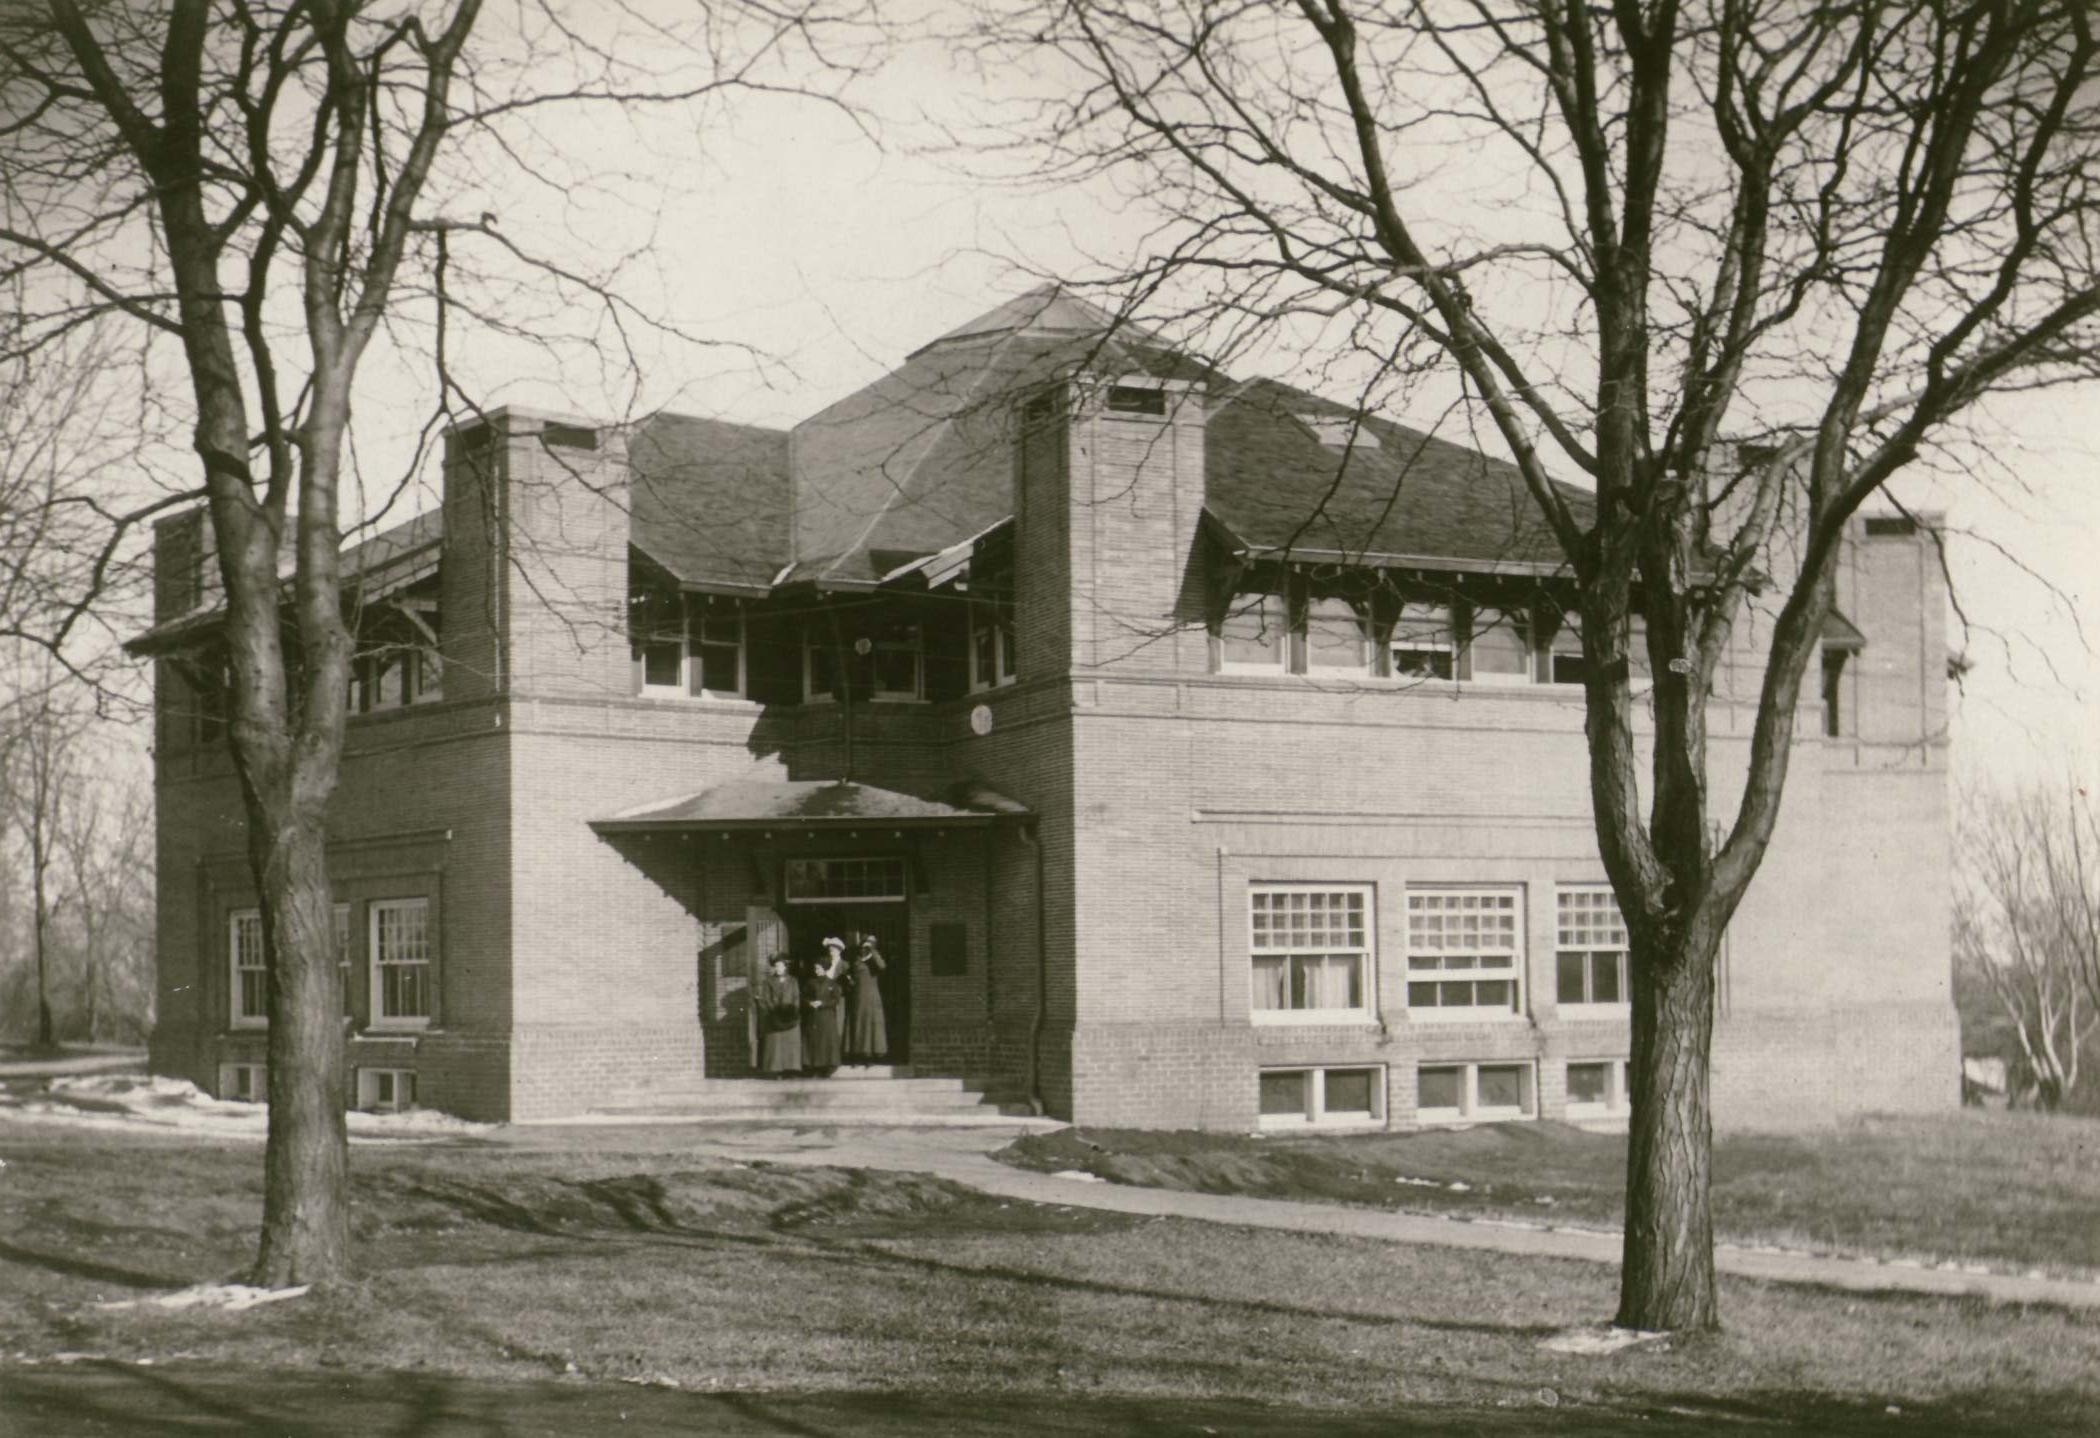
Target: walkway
(964,1156)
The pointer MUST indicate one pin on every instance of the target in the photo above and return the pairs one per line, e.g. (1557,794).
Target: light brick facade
(573,965)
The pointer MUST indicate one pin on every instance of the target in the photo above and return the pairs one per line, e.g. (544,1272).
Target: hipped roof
(827,804)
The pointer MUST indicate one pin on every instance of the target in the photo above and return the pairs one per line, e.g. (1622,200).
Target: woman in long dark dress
(779,1001)
(867,1030)
(823,1015)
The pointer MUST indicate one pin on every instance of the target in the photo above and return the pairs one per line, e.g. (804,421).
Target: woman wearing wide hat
(867,1032)
(823,1013)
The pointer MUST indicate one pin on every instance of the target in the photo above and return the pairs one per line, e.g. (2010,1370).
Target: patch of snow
(233,1297)
(1459,1186)
(1600,1342)
(1077,1175)
(138,1102)
(1416,1182)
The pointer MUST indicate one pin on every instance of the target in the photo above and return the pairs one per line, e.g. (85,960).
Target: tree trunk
(306,1217)
(46,1037)
(1667,1278)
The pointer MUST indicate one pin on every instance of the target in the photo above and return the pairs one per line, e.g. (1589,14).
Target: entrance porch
(774,867)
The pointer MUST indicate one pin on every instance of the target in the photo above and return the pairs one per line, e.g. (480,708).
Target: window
(1336,641)
(1568,666)
(1500,649)
(386,1090)
(819,663)
(1311,951)
(397,662)
(899,659)
(1334,1096)
(1423,644)
(1136,399)
(1471,1092)
(832,881)
(401,957)
(1596,1087)
(1464,953)
(687,645)
(250,988)
(991,643)
(244,1083)
(1589,948)
(1255,635)
(1833,693)
(342,958)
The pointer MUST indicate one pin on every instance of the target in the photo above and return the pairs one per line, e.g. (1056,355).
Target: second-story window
(1337,637)
(1254,635)
(898,658)
(1424,644)
(991,642)
(688,645)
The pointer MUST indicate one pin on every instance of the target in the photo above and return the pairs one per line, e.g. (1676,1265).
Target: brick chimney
(1109,490)
(535,570)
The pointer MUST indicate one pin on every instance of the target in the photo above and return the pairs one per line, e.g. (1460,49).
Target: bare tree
(41,738)
(1633,232)
(2027,928)
(259,186)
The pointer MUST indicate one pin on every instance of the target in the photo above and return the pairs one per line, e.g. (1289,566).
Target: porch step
(858,1098)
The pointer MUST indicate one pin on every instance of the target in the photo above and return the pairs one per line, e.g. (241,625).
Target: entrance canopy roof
(747,804)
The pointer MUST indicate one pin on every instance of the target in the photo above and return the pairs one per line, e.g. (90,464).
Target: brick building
(1203,758)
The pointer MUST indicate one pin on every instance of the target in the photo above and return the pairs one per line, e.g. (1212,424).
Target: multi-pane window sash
(1424,644)
(1311,949)
(1589,947)
(1464,951)
(251,975)
(1337,638)
(899,660)
(401,962)
(1255,633)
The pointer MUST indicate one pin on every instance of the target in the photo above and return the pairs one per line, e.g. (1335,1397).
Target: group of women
(829,1012)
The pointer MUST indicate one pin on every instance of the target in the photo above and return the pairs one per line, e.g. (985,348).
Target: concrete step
(898,1100)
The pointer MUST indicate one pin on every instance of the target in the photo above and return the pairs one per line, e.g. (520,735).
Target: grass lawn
(2017,1191)
(483,1264)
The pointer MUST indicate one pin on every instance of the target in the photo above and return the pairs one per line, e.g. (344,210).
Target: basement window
(386,1090)
(1341,1096)
(1474,1092)
(1597,1088)
(244,1083)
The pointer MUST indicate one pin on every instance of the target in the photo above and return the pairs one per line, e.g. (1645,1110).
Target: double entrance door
(809,924)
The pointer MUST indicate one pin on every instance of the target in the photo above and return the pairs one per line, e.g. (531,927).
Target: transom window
(401,961)
(1589,948)
(833,881)
(1311,951)
(1424,644)
(1465,952)
(250,987)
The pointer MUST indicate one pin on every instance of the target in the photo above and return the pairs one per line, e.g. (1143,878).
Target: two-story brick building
(1204,759)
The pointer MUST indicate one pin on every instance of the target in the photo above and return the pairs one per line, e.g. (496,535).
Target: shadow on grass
(636,1212)
(119,1399)
(71,1267)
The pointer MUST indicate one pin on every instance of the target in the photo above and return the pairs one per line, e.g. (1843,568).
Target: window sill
(1597,1110)
(1326,1123)
(1465,1016)
(1593,1013)
(1314,1018)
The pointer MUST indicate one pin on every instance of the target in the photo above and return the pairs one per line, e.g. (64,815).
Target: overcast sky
(785,227)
